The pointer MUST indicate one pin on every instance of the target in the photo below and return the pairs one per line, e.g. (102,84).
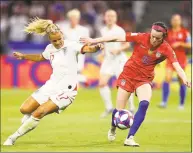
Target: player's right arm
(30,57)
(102,39)
(129,37)
(92,48)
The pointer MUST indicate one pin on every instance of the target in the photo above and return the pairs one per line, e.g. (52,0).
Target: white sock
(131,102)
(25,117)
(106,96)
(27,126)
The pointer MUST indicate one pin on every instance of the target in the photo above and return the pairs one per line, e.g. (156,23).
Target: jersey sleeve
(170,54)
(46,53)
(134,37)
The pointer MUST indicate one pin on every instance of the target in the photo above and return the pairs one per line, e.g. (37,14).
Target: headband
(159,28)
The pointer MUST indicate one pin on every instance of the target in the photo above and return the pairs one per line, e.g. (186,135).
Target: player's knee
(168,79)
(25,110)
(39,113)
(102,84)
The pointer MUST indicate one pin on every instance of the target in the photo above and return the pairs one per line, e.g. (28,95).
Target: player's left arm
(92,48)
(172,58)
(181,74)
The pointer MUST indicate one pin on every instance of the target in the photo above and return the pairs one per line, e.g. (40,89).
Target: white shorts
(62,98)
(112,67)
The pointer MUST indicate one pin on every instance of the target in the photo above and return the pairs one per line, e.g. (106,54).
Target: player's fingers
(189,84)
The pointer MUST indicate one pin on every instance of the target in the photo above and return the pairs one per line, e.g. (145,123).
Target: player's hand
(87,40)
(176,44)
(187,83)
(115,51)
(18,55)
(100,46)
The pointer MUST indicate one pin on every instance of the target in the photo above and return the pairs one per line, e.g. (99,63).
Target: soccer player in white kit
(73,31)
(114,60)
(60,90)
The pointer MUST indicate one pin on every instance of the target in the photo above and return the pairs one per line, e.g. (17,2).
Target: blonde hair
(41,27)
(73,12)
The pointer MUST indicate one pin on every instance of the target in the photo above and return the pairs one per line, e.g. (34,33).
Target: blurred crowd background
(132,15)
(135,16)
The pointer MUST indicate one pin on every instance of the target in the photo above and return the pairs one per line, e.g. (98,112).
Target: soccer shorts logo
(123,81)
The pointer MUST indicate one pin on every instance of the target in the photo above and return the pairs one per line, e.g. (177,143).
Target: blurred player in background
(150,49)
(60,90)
(114,60)
(73,31)
(179,38)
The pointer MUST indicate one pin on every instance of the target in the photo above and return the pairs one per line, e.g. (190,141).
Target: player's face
(156,38)
(176,21)
(74,20)
(110,18)
(57,40)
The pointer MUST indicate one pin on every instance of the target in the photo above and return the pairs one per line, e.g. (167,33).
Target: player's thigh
(29,105)
(103,79)
(144,92)
(122,98)
(169,74)
(45,109)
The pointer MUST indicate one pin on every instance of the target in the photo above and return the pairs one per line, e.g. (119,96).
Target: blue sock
(139,117)
(182,94)
(113,114)
(165,92)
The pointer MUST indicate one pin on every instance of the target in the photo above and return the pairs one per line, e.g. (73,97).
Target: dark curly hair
(163,25)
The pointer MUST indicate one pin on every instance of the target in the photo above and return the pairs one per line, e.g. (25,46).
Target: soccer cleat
(162,105)
(130,142)
(111,135)
(180,107)
(106,113)
(9,142)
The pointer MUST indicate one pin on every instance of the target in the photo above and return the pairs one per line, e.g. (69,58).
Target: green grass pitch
(79,128)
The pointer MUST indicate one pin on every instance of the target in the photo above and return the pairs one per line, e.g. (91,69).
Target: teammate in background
(60,90)
(73,31)
(179,39)
(138,73)
(114,60)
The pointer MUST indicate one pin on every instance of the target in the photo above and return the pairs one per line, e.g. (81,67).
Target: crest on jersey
(123,81)
(158,54)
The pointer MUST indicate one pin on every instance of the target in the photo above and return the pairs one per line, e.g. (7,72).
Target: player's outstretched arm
(31,57)
(181,74)
(92,48)
(102,39)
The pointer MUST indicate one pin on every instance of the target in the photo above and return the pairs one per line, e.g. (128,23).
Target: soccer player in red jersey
(138,73)
(179,39)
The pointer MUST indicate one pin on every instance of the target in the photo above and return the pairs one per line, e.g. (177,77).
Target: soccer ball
(123,119)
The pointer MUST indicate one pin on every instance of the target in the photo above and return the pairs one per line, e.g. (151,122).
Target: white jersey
(115,30)
(74,33)
(64,63)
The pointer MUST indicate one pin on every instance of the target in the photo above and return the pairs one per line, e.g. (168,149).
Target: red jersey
(141,64)
(179,36)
